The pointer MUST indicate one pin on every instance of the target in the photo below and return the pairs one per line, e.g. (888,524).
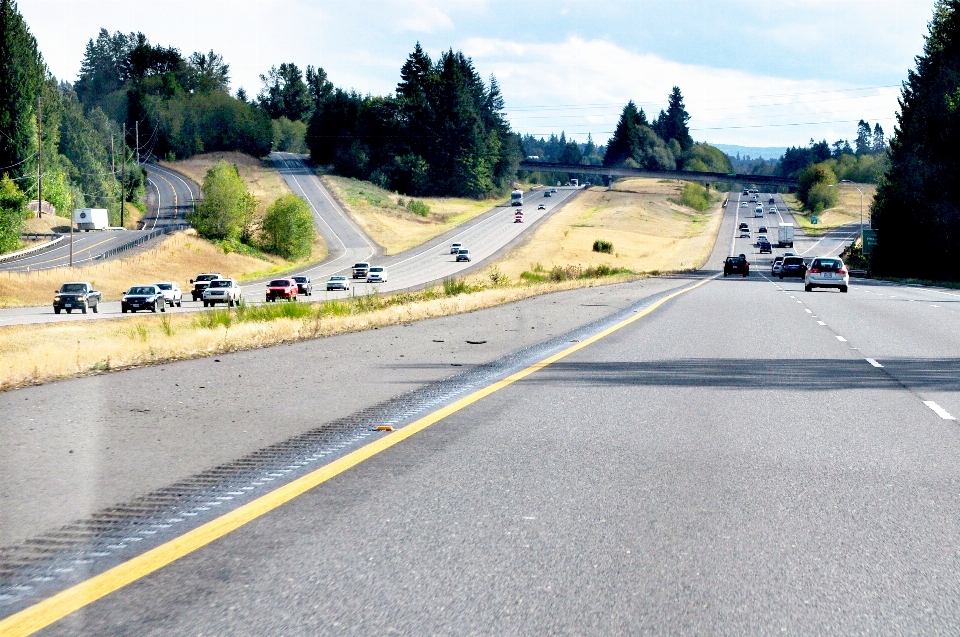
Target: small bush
(418,207)
(695,196)
(455,286)
(603,246)
(498,278)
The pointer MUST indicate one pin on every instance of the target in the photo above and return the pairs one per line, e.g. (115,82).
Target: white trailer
(785,235)
(516,198)
(90,219)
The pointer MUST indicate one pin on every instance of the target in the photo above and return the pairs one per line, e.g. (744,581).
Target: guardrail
(29,252)
(139,241)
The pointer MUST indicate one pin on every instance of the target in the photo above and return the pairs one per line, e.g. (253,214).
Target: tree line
(662,144)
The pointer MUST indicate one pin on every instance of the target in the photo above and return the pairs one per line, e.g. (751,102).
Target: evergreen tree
(625,138)
(13,210)
(879,141)
(916,211)
(319,86)
(21,76)
(864,141)
(674,122)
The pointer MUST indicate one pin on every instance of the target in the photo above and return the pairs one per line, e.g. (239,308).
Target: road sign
(869,240)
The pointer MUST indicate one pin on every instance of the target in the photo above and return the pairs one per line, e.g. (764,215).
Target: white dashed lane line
(807,311)
(874,363)
(820,323)
(841,339)
(938,410)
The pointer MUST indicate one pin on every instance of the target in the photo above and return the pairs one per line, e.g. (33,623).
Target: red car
(282,289)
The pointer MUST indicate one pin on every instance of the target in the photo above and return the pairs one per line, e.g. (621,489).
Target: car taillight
(841,271)
(814,271)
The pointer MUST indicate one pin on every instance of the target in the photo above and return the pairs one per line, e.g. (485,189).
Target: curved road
(169,198)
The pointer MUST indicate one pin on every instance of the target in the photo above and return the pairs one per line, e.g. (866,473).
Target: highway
(690,454)
(487,236)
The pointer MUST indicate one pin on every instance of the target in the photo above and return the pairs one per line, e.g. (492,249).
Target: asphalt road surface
(487,236)
(746,458)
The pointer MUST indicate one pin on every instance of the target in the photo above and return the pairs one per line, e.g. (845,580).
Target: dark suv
(736,265)
(793,266)
(304,285)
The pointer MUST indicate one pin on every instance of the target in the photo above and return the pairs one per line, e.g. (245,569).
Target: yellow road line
(54,608)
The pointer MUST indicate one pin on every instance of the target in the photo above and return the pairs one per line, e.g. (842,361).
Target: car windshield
(73,288)
(381,269)
(338,278)
(142,289)
(300,279)
(464,252)
(793,261)
(361,265)
(164,286)
(220,284)
(280,283)
(207,277)
(831,265)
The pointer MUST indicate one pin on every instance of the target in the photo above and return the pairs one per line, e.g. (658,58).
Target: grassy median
(33,354)
(396,222)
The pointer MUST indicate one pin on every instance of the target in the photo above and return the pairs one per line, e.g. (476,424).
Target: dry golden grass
(32,354)
(179,257)
(845,212)
(648,232)
(393,226)
(261,178)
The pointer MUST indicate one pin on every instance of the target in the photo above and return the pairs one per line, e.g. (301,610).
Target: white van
(758,212)
(377,274)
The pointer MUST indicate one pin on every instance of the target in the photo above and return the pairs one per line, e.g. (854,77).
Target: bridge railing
(685,175)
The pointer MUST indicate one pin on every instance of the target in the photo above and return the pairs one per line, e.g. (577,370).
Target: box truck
(785,236)
(90,219)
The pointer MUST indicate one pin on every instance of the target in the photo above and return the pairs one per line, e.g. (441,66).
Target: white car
(743,204)
(826,272)
(773,210)
(172,293)
(744,233)
(222,291)
(455,247)
(338,282)
(378,274)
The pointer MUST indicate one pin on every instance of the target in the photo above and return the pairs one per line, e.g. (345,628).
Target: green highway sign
(869,240)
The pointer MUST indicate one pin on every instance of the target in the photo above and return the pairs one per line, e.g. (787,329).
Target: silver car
(172,293)
(455,247)
(338,282)
(826,272)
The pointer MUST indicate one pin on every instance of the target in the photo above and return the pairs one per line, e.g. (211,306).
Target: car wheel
(781,277)
(84,310)
(206,304)
(180,303)
(96,308)
(69,310)
(745,274)
(808,288)
(843,289)
(56,310)
(154,307)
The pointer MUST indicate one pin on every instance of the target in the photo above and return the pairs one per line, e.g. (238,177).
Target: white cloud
(424,17)
(580,86)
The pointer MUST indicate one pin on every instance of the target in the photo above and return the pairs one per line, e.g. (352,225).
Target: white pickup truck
(222,291)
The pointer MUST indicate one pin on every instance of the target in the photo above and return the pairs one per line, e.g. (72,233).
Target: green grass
(603,246)
(570,272)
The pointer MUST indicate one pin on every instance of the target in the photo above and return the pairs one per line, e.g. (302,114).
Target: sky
(753,73)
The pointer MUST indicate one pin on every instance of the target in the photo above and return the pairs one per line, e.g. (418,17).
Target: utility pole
(138,143)
(123,161)
(113,165)
(39,156)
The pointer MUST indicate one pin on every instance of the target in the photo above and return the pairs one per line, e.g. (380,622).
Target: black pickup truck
(76,296)
(200,284)
(736,265)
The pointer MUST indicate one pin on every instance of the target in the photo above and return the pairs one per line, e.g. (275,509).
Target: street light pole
(847,181)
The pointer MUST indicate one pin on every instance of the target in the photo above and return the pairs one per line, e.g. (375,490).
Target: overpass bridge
(608,173)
